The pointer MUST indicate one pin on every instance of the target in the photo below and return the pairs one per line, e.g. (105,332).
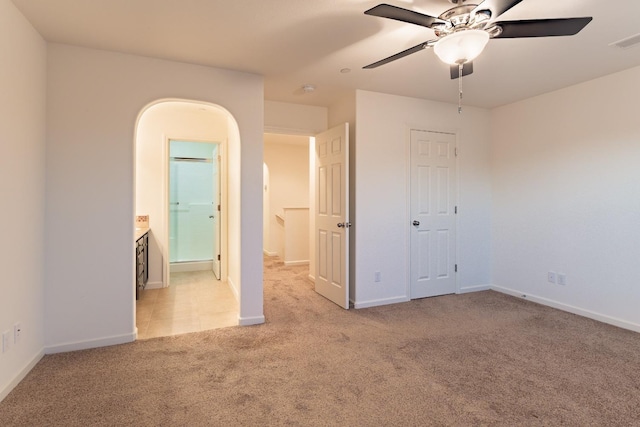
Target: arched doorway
(158,124)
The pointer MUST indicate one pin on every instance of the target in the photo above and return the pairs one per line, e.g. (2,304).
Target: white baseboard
(377,302)
(301,262)
(20,376)
(267,253)
(181,267)
(312,278)
(83,345)
(248,321)
(478,288)
(569,308)
(154,285)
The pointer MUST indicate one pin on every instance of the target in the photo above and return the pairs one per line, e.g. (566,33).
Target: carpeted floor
(474,359)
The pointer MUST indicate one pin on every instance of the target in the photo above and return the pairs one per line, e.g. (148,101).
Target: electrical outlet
(6,341)
(17,332)
(562,279)
(551,276)
(376,276)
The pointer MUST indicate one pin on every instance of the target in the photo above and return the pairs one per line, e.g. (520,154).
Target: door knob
(211,216)
(344,224)
(416,223)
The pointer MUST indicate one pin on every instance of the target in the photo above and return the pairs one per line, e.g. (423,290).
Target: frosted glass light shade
(461,47)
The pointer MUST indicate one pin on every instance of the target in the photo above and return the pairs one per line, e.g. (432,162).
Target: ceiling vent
(627,42)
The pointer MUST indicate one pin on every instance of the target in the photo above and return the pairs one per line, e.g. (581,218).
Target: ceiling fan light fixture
(462,46)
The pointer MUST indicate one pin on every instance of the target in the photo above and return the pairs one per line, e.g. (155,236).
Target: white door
(216,214)
(433,210)
(332,215)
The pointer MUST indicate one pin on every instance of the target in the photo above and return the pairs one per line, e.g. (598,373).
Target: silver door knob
(416,223)
(344,224)
(211,216)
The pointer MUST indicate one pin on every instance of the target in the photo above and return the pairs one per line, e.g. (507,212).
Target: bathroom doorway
(194,206)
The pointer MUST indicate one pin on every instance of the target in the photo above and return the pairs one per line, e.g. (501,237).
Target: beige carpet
(475,359)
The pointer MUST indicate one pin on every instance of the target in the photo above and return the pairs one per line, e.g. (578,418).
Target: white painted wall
(566,198)
(382,192)
(294,119)
(287,157)
(22,186)
(160,122)
(93,101)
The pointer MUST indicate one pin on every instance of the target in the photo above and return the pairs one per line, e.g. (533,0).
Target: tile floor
(195,301)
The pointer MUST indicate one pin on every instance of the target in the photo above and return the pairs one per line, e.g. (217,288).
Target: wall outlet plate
(551,276)
(142,221)
(562,279)
(17,332)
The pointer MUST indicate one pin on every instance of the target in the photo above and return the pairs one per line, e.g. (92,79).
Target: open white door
(433,224)
(332,215)
(216,213)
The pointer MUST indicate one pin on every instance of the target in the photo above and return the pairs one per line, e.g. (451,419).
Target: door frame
(409,218)
(222,151)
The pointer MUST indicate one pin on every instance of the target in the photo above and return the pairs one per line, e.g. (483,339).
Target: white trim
(477,288)
(301,262)
(248,321)
(154,285)
(94,343)
(180,267)
(570,309)
(21,375)
(278,130)
(234,289)
(377,302)
(312,278)
(267,253)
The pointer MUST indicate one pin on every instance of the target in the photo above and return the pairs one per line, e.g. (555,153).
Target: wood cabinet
(142,263)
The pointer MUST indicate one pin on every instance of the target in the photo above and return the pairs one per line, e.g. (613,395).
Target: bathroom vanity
(142,259)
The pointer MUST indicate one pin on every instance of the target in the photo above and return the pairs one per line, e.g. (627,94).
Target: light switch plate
(6,341)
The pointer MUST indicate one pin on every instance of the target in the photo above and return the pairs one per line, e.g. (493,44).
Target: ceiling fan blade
(497,7)
(541,27)
(405,15)
(402,54)
(467,68)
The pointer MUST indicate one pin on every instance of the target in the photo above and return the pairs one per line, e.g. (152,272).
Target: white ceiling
(295,42)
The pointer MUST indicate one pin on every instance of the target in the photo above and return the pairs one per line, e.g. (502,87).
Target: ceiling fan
(463,31)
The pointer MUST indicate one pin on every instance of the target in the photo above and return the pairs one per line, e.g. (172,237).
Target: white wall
(174,120)
(22,186)
(382,220)
(287,158)
(294,119)
(93,100)
(566,198)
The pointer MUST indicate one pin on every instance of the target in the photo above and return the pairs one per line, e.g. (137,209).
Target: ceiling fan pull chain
(460,88)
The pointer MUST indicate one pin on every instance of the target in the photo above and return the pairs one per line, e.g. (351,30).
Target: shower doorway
(194,206)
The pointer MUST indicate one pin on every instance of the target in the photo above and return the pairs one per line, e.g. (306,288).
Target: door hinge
(456,268)
(456,151)
(218,257)
(455,210)
(218,208)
